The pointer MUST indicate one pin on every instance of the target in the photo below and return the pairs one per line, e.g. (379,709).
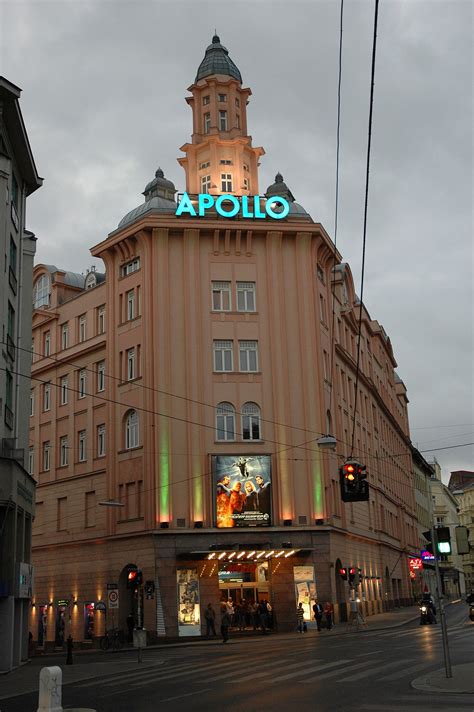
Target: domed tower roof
(279,187)
(159,186)
(217,61)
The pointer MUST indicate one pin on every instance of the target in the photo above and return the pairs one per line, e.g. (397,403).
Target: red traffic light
(352,571)
(132,575)
(349,472)
(343,573)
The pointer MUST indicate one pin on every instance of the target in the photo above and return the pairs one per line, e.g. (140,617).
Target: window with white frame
(132,430)
(248,356)
(47,344)
(223,356)
(204,165)
(101,319)
(131,266)
(41,292)
(207,122)
(64,390)
(46,396)
(63,451)
(131,305)
(130,364)
(246,184)
(46,455)
(82,383)
(64,336)
(81,436)
(225,422)
(101,376)
(222,120)
(226,182)
(246,296)
(222,98)
(206,100)
(32,401)
(82,327)
(251,422)
(31,460)
(225,162)
(101,440)
(221,299)
(205,184)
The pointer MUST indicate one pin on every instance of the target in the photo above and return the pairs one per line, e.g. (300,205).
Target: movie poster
(189,622)
(243,490)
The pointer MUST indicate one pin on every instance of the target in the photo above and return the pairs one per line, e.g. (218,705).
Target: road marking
(273,665)
(403,673)
(314,668)
(187,694)
(368,673)
(335,673)
(372,653)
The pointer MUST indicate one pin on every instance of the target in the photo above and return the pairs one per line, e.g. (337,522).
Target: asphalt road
(305,672)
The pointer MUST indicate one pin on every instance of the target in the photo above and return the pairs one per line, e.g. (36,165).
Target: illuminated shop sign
(230,206)
(243,490)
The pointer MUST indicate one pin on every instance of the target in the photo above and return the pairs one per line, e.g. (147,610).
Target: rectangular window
(205,184)
(237,120)
(221,300)
(61,522)
(101,319)
(207,123)
(46,455)
(32,401)
(82,446)
(248,356)
(82,384)
(14,191)
(63,451)
(64,390)
(130,364)
(64,336)
(131,266)
(246,184)
(246,296)
(31,461)
(225,162)
(131,305)
(13,255)
(82,327)
(9,390)
(11,322)
(322,309)
(206,100)
(47,344)
(46,396)
(222,98)
(226,182)
(223,356)
(204,165)
(101,376)
(237,102)
(222,120)
(320,273)
(101,440)
(246,168)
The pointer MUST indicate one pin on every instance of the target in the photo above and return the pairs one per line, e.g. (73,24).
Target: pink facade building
(189,384)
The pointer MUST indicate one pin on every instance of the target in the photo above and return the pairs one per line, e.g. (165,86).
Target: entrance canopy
(244,555)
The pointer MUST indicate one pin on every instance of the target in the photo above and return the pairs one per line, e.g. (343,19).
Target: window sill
(237,373)
(129,449)
(232,312)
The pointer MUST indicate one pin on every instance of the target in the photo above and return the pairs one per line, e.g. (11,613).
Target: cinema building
(187,387)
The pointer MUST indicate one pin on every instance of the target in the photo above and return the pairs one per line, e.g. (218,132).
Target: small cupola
(280,188)
(217,61)
(159,187)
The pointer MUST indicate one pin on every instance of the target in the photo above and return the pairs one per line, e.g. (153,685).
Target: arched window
(251,422)
(41,293)
(225,421)
(132,434)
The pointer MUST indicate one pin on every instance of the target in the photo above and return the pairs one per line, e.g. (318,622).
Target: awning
(255,555)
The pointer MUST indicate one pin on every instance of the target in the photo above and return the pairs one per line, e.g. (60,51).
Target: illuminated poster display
(189,622)
(305,589)
(243,490)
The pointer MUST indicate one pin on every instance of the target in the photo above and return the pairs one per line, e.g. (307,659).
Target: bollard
(69,650)
(50,683)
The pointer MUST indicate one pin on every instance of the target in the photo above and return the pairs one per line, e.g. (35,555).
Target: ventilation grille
(302,520)
(181,522)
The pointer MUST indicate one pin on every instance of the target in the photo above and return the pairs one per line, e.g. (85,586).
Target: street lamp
(111,503)
(327,442)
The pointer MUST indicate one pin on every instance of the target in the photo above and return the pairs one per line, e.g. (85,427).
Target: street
(367,670)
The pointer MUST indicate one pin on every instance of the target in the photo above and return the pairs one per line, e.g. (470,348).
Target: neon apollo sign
(228,206)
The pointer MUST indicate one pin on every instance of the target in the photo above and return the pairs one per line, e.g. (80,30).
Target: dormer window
(207,123)
(222,120)
(41,293)
(206,100)
(222,98)
(91,280)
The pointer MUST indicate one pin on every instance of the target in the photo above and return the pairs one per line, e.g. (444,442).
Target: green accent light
(164,473)
(318,499)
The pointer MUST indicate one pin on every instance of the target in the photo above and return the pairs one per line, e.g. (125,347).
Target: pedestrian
(300,618)
(130,626)
(210,616)
(225,623)
(329,613)
(318,614)
(253,611)
(263,615)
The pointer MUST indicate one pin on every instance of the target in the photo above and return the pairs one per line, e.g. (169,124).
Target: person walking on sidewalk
(300,618)
(318,614)
(210,616)
(329,614)
(225,623)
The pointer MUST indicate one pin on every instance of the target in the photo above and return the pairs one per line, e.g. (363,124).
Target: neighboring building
(422,472)
(200,370)
(18,179)
(446,513)
(461,484)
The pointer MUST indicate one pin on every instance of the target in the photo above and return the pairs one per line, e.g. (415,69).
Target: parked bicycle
(112,640)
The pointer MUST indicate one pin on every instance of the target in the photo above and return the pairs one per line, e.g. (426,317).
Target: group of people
(318,611)
(255,614)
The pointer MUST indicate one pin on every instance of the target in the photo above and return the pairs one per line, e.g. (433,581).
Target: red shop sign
(415,565)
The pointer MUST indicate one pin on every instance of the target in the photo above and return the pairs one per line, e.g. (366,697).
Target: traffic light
(352,574)
(134,577)
(352,478)
(429,546)
(443,535)
(343,573)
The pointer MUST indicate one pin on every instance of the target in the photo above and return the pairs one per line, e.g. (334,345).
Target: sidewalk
(25,679)
(462,681)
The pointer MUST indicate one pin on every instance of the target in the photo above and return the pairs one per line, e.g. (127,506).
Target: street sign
(113,598)
(100,606)
(111,586)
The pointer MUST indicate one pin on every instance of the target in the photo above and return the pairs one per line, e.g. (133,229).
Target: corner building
(189,384)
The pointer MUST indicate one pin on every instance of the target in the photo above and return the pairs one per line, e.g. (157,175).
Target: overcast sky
(103,101)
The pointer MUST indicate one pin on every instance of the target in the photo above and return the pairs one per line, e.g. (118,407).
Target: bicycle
(111,640)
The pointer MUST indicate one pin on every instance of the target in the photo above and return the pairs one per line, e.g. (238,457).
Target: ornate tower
(220,158)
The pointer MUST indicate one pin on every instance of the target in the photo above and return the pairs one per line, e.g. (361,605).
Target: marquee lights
(228,206)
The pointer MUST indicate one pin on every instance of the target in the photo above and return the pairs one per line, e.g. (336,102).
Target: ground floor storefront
(83,590)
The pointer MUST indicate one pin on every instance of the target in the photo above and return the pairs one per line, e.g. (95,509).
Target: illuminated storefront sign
(229,206)
(427,555)
(243,490)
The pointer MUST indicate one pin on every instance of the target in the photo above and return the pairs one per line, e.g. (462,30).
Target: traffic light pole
(442,615)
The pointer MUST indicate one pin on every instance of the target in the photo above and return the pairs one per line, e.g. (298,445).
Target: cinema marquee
(230,206)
